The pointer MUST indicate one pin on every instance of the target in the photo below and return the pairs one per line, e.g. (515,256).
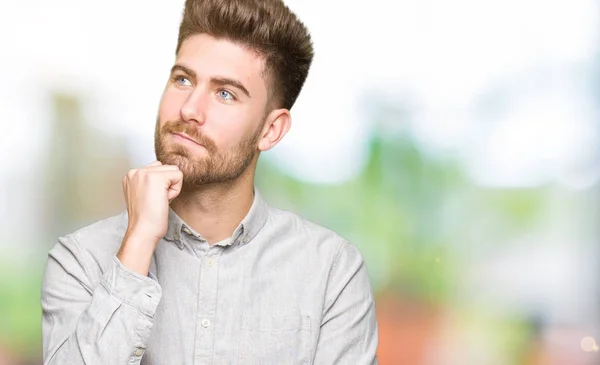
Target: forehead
(211,57)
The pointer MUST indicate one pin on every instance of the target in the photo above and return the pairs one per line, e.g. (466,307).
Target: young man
(199,269)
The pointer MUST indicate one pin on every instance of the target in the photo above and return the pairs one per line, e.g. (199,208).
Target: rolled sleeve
(142,292)
(108,322)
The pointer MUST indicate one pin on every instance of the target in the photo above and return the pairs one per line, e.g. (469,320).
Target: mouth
(185,138)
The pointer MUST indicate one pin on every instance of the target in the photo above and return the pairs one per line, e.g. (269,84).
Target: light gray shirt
(280,290)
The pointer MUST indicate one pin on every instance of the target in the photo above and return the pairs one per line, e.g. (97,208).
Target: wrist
(136,253)
(143,233)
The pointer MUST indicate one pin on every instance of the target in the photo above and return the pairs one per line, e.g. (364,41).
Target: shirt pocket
(273,339)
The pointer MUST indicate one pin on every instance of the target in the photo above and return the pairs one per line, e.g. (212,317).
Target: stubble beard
(215,167)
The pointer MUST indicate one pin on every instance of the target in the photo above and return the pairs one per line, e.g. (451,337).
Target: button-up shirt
(280,290)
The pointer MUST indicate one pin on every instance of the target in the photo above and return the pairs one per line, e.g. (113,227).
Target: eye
(183,81)
(225,95)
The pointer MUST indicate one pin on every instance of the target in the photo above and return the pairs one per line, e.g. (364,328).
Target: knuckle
(143,174)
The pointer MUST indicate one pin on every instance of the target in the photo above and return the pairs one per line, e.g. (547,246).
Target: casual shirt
(280,290)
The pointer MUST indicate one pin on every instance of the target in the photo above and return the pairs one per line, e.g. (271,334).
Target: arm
(106,323)
(349,327)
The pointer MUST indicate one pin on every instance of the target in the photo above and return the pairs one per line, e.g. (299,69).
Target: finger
(174,177)
(130,174)
(176,186)
(167,177)
(174,190)
(155,163)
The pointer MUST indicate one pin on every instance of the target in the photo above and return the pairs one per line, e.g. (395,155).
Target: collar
(243,234)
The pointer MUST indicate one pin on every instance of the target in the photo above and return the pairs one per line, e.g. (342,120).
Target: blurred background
(455,143)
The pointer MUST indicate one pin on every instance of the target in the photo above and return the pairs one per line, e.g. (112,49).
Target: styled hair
(267,27)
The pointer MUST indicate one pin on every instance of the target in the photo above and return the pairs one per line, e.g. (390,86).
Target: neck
(215,210)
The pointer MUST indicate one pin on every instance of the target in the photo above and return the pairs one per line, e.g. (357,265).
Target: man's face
(212,110)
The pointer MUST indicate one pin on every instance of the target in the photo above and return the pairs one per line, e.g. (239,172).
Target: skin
(214,119)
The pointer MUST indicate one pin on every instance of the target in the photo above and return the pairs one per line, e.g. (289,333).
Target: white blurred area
(508,87)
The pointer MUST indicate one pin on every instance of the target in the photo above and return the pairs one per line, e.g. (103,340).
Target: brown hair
(267,27)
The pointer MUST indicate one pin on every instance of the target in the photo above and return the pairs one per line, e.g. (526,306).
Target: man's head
(240,65)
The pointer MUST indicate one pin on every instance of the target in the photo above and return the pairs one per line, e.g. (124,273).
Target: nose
(194,108)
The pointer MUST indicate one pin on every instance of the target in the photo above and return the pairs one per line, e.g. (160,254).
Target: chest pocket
(280,340)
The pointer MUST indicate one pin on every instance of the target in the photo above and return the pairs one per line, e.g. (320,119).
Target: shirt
(280,290)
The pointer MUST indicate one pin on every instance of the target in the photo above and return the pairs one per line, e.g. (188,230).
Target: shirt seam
(333,267)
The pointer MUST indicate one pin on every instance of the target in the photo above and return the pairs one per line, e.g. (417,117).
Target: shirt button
(176,235)
(245,239)
(210,262)
(187,230)
(205,323)
(139,352)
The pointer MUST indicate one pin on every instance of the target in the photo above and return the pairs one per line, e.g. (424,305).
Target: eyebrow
(225,81)
(219,81)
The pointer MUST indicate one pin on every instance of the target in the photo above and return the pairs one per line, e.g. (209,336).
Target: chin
(176,159)
(170,158)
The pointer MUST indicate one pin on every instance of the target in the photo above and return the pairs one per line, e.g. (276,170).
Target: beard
(215,168)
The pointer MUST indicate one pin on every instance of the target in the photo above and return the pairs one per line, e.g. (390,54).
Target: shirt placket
(207,301)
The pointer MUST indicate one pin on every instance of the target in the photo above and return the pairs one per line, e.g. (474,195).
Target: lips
(186,137)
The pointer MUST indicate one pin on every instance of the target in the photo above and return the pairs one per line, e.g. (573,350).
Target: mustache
(180,126)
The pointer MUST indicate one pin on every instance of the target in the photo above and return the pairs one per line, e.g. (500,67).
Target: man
(199,269)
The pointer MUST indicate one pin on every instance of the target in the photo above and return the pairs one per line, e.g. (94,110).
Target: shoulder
(102,235)
(314,238)
(95,244)
(323,254)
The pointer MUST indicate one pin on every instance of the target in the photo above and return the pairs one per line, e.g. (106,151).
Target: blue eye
(224,94)
(183,81)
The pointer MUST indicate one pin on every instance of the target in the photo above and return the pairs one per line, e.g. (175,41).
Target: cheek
(170,105)
(229,125)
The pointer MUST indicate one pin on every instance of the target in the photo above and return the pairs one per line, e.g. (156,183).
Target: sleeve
(349,326)
(107,323)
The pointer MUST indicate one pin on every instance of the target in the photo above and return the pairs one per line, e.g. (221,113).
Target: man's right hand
(148,192)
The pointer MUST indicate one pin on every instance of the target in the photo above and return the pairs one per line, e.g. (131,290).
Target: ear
(276,126)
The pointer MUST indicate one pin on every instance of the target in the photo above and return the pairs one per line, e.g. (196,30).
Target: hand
(148,192)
